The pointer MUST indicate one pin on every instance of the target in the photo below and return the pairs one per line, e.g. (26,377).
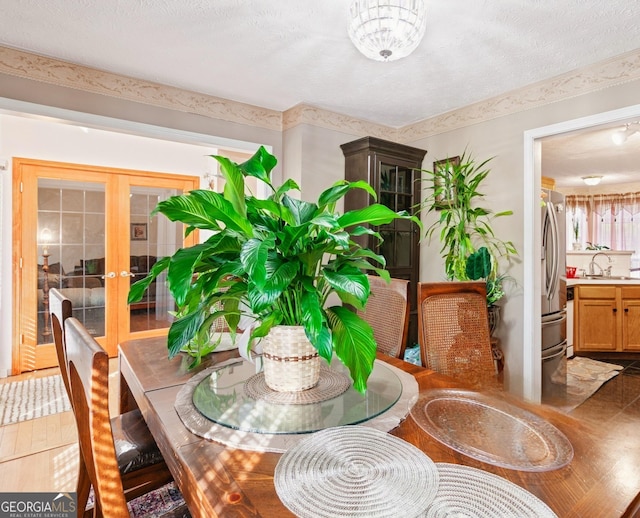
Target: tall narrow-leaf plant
(470,248)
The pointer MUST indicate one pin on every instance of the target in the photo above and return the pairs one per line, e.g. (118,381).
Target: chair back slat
(453,326)
(89,381)
(387,312)
(60,309)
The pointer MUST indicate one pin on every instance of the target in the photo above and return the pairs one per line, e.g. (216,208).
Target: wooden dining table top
(600,481)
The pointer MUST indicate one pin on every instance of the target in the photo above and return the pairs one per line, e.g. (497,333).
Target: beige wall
(503,139)
(310,153)
(319,161)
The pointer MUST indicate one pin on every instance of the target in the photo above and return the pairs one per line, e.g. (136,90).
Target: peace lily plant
(276,261)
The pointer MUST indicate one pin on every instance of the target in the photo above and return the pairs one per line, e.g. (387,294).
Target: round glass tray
(222,398)
(491,430)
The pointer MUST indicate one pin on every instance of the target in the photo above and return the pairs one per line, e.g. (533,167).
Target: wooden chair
(88,365)
(387,312)
(60,309)
(140,462)
(453,331)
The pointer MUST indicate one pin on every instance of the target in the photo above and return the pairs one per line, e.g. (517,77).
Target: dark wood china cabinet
(390,168)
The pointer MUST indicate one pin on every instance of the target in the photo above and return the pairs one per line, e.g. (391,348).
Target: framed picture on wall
(442,184)
(138,231)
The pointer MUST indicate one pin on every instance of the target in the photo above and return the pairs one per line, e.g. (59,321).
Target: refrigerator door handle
(555,318)
(552,281)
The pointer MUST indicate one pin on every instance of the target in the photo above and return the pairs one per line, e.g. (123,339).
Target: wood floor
(42,454)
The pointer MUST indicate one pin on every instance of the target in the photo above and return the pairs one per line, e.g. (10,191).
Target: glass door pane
(71,251)
(150,239)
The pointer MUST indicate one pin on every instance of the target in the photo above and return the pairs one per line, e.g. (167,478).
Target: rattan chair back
(387,312)
(454,334)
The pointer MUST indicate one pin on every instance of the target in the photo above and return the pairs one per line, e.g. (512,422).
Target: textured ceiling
(569,157)
(279,53)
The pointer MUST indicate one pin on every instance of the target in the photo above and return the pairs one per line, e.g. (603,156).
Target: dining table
(216,479)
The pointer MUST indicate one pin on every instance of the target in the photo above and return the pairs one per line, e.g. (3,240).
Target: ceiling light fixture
(387,30)
(621,136)
(592,180)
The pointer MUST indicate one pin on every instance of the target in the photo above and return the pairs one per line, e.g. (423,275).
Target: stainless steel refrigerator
(553,263)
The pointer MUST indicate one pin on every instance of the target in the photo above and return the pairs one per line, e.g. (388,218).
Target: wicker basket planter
(291,363)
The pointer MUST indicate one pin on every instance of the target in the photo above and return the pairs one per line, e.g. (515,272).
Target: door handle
(110,275)
(125,273)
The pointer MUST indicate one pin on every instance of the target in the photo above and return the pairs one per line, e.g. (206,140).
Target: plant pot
(291,363)
(577,246)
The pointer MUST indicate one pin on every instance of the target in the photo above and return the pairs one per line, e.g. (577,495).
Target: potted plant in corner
(576,234)
(470,248)
(274,261)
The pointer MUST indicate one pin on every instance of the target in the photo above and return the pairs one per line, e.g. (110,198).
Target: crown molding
(614,71)
(60,73)
(604,74)
(307,114)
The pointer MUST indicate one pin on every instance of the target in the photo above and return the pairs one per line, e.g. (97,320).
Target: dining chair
(88,369)
(141,464)
(453,329)
(387,312)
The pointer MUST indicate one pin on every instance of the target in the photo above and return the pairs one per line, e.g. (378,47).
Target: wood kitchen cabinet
(607,318)
(392,170)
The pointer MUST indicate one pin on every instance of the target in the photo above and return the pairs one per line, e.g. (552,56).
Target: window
(611,220)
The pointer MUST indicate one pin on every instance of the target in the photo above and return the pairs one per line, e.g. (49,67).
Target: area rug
(156,503)
(153,504)
(32,398)
(584,377)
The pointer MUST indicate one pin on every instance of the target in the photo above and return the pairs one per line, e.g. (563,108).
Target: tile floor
(615,405)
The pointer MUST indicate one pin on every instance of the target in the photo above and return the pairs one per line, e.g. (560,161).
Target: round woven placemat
(355,471)
(467,491)
(331,384)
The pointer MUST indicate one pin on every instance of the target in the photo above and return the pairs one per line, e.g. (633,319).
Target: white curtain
(611,220)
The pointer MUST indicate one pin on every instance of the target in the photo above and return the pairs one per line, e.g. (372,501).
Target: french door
(87,231)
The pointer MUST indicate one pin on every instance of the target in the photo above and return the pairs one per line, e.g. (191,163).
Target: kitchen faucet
(593,264)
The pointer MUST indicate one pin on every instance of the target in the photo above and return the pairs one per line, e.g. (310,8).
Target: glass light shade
(387,30)
(591,180)
(619,137)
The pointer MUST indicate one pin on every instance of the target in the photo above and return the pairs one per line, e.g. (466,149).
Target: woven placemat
(331,384)
(355,471)
(467,491)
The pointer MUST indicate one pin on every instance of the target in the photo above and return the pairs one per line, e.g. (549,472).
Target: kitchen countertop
(584,280)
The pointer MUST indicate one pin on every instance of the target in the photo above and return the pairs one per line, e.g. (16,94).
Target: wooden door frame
(18,251)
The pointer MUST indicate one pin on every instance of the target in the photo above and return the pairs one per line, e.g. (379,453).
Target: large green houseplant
(276,260)
(470,248)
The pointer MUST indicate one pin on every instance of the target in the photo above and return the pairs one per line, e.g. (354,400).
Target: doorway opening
(532,369)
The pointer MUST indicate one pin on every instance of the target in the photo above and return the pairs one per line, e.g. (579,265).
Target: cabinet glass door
(396,191)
